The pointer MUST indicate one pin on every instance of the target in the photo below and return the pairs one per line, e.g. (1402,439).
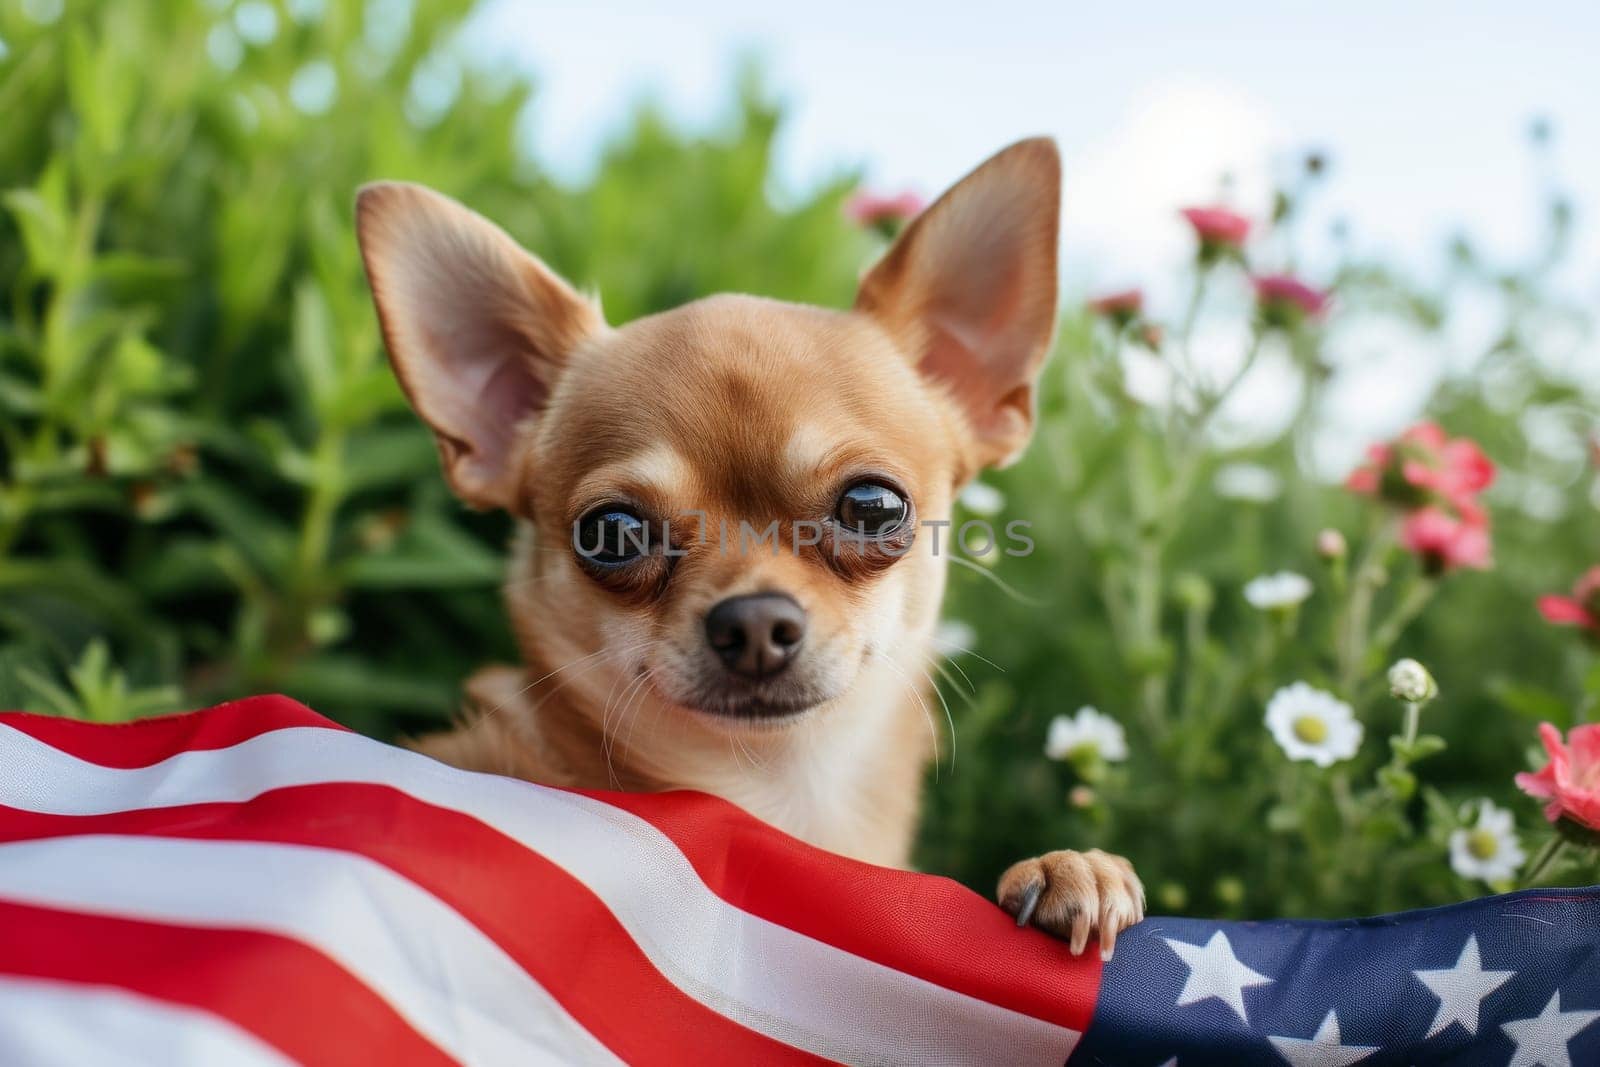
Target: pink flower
(1424,466)
(881,212)
(1445,543)
(1570,782)
(1456,468)
(1367,479)
(1217,227)
(1582,608)
(1123,305)
(1284,299)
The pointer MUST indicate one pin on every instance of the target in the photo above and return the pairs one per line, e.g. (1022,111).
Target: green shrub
(1138,580)
(206,460)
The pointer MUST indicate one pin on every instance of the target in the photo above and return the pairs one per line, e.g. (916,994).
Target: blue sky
(1423,108)
(1421,105)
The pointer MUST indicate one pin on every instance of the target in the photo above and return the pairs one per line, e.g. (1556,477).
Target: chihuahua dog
(728,512)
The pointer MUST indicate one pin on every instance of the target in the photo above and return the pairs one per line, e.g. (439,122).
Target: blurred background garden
(210,484)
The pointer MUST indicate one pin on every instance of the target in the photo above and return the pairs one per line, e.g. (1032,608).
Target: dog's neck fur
(847,778)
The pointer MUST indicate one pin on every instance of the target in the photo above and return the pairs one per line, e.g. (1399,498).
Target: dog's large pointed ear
(477,328)
(969,290)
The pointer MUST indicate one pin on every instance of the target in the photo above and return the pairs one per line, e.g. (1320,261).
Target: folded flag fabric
(254,884)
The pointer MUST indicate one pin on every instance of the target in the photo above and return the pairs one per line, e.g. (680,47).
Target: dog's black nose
(756,636)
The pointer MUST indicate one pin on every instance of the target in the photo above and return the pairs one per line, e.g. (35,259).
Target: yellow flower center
(1310,729)
(1482,844)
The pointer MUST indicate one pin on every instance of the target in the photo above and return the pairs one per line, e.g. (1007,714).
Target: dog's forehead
(733,386)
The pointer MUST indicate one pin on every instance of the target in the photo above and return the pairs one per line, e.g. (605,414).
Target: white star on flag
(1214,971)
(1325,1049)
(1542,1040)
(1461,989)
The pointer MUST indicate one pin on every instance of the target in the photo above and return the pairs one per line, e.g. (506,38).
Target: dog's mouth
(768,704)
(763,709)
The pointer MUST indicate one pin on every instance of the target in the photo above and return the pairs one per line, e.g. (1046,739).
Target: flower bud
(1081,797)
(1331,545)
(1410,681)
(1193,592)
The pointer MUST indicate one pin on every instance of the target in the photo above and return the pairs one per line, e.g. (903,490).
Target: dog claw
(1030,900)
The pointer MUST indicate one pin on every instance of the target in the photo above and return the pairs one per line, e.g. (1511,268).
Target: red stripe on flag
(286,993)
(934,928)
(549,922)
(146,741)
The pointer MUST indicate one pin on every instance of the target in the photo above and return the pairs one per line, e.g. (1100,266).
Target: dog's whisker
(755,760)
(636,704)
(952,649)
(949,718)
(964,691)
(946,663)
(607,737)
(508,700)
(636,685)
(588,669)
(605,721)
(999,583)
(927,712)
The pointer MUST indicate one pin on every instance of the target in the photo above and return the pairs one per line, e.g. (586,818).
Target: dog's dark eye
(610,537)
(872,508)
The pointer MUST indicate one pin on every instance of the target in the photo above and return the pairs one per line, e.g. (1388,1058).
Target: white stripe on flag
(48,1022)
(772,979)
(449,980)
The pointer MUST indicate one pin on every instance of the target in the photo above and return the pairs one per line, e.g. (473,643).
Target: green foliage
(1140,570)
(204,459)
(208,476)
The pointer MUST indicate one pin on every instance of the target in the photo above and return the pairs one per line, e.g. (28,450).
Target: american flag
(254,884)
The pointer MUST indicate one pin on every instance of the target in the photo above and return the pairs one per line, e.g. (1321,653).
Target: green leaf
(314,348)
(387,457)
(101,95)
(48,697)
(261,536)
(128,277)
(46,230)
(335,683)
(429,554)
(1420,749)
(1531,701)
(1401,783)
(1283,818)
(363,396)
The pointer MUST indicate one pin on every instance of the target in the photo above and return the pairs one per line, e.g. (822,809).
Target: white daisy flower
(1248,481)
(1310,724)
(1277,592)
(1489,850)
(1088,730)
(982,499)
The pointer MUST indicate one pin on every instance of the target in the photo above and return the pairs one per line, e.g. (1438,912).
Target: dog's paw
(1074,895)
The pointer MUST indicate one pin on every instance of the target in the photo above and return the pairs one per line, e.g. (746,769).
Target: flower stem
(1545,857)
(1416,598)
(1364,582)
